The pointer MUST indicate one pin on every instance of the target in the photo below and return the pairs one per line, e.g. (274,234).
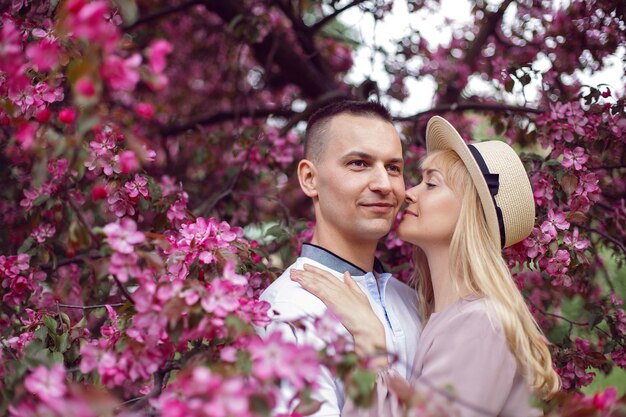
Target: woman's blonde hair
(479,268)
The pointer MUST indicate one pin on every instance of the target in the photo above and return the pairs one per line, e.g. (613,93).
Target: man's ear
(307,175)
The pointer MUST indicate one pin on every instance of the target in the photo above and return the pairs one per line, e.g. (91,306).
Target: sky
(432,27)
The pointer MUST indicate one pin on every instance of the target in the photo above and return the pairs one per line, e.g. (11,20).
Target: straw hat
(509,207)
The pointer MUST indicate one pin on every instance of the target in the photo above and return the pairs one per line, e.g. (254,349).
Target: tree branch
(456,107)
(78,258)
(292,66)
(323,21)
(162,13)
(123,290)
(224,116)
(608,237)
(452,92)
(91,307)
(83,222)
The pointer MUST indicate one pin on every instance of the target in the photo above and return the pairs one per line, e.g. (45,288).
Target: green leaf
(40,200)
(364,380)
(28,243)
(595,317)
(50,323)
(63,342)
(128,10)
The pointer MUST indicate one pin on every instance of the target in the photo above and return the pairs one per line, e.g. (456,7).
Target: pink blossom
(128,162)
(47,383)
(137,187)
(124,266)
(572,240)
(121,74)
(156,52)
(577,159)
(10,47)
(123,236)
(604,400)
(221,298)
(25,135)
(67,115)
(85,86)
(119,203)
(101,157)
(99,192)
(276,358)
(43,232)
(44,54)
(43,115)
(87,21)
(555,221)
(536,244)
(557,267)
(19,342)
(145,110)
(177,212)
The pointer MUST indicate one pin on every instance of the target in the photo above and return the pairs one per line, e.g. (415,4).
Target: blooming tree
(148,195)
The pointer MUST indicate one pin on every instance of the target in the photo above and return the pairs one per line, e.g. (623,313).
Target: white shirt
(393,302)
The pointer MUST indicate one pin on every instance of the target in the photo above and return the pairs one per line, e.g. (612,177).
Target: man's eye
(358,163)
(394,168)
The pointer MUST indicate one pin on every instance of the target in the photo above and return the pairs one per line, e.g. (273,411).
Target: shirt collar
(332,261)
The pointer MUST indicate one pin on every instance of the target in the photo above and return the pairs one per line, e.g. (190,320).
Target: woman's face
(432,213)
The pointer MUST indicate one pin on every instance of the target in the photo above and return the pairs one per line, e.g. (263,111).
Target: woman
(479,336)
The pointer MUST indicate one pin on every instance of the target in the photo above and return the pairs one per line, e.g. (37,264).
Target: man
(352,172)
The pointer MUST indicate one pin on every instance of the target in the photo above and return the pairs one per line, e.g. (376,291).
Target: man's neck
(361,253)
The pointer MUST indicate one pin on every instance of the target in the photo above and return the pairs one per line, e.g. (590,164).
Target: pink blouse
(462,351)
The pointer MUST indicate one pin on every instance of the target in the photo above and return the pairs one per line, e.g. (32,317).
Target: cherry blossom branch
(326,19)
(608,167)
(83,222)
(90,307)
(608,237)
(77,258)
(460,107)
(571,322)
(123,290)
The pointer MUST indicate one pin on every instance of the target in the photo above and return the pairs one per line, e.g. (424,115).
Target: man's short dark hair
(315,138)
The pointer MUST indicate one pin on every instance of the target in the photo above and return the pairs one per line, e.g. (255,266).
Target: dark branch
(162,13)
(91,307)
(291,66)
(223,117)
(78,258)
(123,289)
(326,19)
(455,107)
(452,92)
(608,237)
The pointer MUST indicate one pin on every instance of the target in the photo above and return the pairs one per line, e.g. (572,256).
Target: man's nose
(380,180)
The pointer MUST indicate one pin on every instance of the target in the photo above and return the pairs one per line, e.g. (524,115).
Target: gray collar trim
(334,262)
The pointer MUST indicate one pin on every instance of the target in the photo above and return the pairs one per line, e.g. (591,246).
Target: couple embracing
(466,326)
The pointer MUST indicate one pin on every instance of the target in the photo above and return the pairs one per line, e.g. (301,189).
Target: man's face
(360,186)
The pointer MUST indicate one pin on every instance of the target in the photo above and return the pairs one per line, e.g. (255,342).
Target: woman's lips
(409,212)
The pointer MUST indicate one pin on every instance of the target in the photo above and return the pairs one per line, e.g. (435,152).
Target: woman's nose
(410,196)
